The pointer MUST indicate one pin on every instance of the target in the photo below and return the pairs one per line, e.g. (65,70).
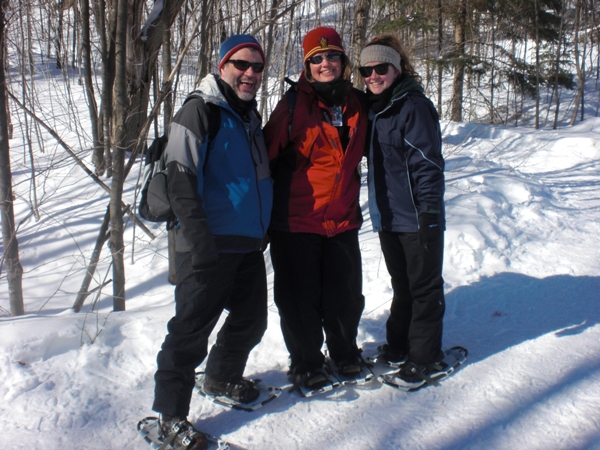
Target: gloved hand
(429,228)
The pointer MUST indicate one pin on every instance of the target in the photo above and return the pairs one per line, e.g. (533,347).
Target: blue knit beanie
(235,43)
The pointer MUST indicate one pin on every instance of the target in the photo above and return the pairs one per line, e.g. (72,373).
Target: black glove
(429,228)
(204,273)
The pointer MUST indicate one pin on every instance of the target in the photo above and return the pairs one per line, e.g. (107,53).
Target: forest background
(134,61)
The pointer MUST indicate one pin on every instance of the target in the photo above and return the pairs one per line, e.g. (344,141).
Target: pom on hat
(235,43)
(321,39)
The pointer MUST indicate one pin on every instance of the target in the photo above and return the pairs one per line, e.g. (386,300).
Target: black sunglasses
(242,65)
(380,69)
(331,56)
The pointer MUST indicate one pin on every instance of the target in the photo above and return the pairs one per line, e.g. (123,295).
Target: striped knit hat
(235,43)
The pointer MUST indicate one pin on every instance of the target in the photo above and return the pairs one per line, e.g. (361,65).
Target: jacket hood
(210,90)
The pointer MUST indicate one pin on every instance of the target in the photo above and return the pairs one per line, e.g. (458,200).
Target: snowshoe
(354,371)
(311,383)
(248,395)
(181,436)
(388,356)
(411,376)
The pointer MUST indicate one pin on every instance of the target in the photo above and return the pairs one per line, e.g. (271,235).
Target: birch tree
(14,270)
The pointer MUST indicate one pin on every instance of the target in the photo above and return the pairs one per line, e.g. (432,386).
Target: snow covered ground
(522,271)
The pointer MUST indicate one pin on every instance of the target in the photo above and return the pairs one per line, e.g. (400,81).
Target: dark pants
(317,286)
(238,285)
(416,315)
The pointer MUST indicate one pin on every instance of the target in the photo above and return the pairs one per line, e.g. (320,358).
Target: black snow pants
(317,287)
(238,285)
(416,316)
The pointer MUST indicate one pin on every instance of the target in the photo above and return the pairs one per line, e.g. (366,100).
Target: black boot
(181,435)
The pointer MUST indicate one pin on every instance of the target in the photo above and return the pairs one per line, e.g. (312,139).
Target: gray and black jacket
(219,188)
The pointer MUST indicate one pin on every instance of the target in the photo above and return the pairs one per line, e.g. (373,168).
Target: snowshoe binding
(246,395)
(411,376)
(173,433)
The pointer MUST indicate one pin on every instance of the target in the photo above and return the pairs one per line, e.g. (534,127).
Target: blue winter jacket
(219,188)
(406,167)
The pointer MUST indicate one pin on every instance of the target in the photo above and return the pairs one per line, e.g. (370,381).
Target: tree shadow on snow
(506,310)
(509,308)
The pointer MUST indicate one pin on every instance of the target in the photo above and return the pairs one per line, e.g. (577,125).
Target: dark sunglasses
(242,65)
(380,69)
(331,56)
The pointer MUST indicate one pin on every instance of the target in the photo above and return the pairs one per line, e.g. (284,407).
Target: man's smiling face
(245,84)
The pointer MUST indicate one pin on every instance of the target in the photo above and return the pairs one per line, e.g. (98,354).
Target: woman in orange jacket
(316,212)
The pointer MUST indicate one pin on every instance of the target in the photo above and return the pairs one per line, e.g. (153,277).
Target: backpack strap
(213,123)
(290,95)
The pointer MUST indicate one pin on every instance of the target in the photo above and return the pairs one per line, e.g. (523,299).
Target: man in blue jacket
(220,191)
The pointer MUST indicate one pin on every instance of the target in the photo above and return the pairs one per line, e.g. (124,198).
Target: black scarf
(378,102)
(401,85)
(331,92)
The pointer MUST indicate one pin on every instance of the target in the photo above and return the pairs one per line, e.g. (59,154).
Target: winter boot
(311,380)
(179,434)
(350,368)
(388,355)
(244,391)
(413,373)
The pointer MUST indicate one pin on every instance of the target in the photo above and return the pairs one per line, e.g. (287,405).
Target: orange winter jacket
(316,182)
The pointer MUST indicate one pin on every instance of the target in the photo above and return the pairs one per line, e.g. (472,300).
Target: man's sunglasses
(380,69)
(242,65)
(331,56)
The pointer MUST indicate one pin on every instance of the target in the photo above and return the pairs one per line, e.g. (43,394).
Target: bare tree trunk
(14,270)
(166,69)
(317,14)
(58,38)
(268,45)
(459,69)
(116,192)
(492,75)
(557,66)
(28,92)
(286,49)
(106,31)
(91,268)
(578,62)
(537,67)
(359,36)
(141,65)
(204,40)
(135,60)
(98,154)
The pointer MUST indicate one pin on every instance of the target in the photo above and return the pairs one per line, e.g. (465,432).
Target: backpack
(154,203)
